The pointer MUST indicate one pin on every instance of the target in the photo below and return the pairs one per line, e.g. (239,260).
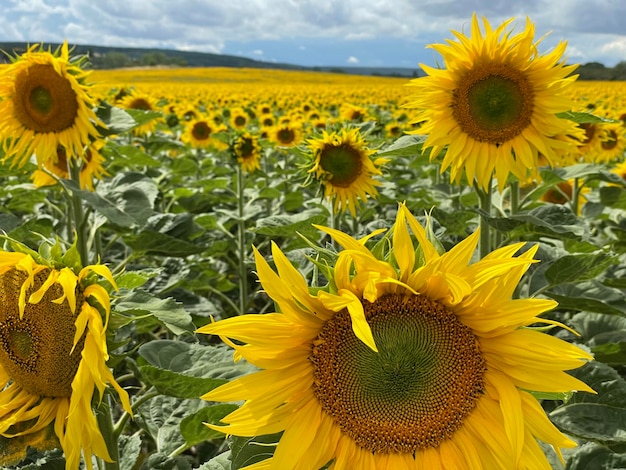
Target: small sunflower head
(247,150)
(341,162)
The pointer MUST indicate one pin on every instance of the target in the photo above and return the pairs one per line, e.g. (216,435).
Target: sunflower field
(219,269)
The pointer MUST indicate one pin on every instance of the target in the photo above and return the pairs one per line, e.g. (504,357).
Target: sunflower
(199,131)
(238,118)
(417,359)
(562,193)
(613,143)
(92,166)
(495,104)
(53,353)
(286,134)
(44,104)
(247,151)
(341,162)
(143,102)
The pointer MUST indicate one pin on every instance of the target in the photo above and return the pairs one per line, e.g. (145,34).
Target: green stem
(576,188)
(105,424)
(80,222)
(241,242)
(514,189)
(119,426)
(484,242)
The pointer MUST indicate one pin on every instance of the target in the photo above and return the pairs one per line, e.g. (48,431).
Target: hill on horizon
(112,57)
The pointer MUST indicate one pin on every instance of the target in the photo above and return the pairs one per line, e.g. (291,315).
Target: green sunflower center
(35,349)
(493,103)
(342,163)
(416,391)
(44,100)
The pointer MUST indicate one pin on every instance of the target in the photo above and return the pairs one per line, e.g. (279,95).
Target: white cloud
(352,60)
(594,28)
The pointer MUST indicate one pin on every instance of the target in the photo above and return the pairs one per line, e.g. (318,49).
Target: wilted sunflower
(53,353)
(91,166)
(425,362)
(44,104)
(495,104)
(247,150)
(341,162)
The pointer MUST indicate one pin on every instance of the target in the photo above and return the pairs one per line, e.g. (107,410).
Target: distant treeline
(104,57)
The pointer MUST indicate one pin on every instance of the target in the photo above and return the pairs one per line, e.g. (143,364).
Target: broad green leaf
(130,449)
(161,417)
(134,279)
(584,118)
(288,225)
(248,450)
(220,462)
(156,243)
(168,311)
(598,417)
(592,456)
(580,267)
(161,461)
(195,360)
(193,428)
(404,146)
(178,385)
(613,196)
(590,296)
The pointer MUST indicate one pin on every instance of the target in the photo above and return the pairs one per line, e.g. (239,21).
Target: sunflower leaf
(167,311)
(193,427)
(585,118)
(579,267)
(219,462)
(178,385)
(248,450)
(599,417)
(405,146)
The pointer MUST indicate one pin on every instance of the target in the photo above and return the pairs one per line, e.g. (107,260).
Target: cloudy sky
(387,33)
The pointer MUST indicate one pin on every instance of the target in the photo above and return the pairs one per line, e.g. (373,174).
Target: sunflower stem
(576,187)
(105,423)
(241,242)
(514,192)
(80,221)
(484,197)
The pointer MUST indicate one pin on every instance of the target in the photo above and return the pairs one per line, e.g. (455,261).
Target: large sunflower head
(44,104)
(340,161)
(495,104)
(413,359)
(53,353)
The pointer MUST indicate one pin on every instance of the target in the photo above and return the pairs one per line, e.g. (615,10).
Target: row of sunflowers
(221,269)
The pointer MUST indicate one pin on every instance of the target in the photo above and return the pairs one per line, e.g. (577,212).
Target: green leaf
(195,431)
(248,450)
(220,462)
(591,456)
(161,417)
(613,196)
(134,279)
(168,311)
(287,225)
(156,243)
(590,296)
(178,385)
(404,146)
(585,118)
(130,449)
(598,417)
(582,267)
(194,360)
(161,461)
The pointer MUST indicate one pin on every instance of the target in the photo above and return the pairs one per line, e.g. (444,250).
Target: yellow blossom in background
(494,104)
(45,104)
(419,363)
